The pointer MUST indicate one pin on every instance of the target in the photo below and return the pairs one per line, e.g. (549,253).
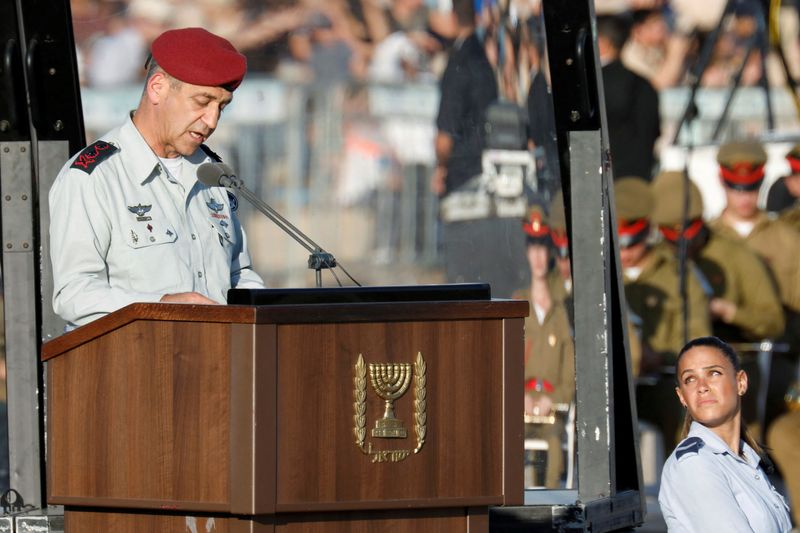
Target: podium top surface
(371,294)
(298,313)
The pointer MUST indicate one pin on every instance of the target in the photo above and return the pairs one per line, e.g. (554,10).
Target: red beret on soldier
(198,57)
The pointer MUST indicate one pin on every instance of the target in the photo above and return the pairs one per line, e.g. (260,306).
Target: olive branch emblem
(360,411)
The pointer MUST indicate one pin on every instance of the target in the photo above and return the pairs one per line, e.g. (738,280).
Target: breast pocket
(151,247)
(142,235)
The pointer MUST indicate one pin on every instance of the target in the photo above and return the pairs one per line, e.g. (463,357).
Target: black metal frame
(609,477)
(41,125)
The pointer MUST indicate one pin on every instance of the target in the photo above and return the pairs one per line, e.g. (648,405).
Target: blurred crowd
(403,40)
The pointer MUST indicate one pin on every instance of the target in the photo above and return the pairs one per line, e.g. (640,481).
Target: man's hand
(438,183)
(541,405)
(187,298)
(723,309)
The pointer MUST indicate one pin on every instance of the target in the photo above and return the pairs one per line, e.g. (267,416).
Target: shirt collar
(718,446)
(142,161)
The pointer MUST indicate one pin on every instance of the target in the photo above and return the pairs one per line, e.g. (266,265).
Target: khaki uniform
(736,274)
(783,438)
(654,306)
(654,298)
(774,241)
(550,357)
(791,216)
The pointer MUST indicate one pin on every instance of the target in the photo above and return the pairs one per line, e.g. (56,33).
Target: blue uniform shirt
(706,487)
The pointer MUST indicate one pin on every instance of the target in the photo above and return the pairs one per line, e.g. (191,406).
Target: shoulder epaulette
(690,445)
(211,153)
(93,155)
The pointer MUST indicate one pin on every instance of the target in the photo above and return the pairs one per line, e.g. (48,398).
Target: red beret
(196,56)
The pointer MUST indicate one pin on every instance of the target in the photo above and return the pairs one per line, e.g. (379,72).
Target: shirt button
(194,237)
(757,477)
(199,274)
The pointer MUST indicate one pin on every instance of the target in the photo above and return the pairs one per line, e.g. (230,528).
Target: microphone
(221,175)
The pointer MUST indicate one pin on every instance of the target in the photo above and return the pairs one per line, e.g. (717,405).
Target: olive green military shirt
(654,300)
(776,242)
(737,274)
(791,216)
(549,349)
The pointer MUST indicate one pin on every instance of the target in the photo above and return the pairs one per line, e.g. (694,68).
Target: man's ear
(156,87)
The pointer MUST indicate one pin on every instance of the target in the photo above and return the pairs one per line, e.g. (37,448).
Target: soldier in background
(743,301)
(784,193)
(773,240)
(655,306)
(742,173)
(783,438)
(549,350)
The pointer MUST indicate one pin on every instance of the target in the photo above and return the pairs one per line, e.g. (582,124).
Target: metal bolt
(574,116)
(8,197)
(21,148)
(58,125)
(6,149)
(9,246)
(25,245)
(24,196)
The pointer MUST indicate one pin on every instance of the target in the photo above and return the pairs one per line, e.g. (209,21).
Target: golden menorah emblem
(390,381)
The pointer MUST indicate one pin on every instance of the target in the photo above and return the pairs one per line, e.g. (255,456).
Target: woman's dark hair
(713,342)
(730,354)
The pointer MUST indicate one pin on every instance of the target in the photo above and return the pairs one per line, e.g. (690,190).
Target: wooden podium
(268,419)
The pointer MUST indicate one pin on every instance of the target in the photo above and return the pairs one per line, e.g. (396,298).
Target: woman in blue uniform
(713,481)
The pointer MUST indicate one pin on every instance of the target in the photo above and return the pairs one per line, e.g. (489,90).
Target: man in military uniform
(773,240)
(742,173)
(783,438)
(655,306)
(743,300)
(549,350)
(784,192)
(130,222)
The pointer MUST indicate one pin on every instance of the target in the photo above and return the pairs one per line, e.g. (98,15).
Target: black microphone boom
(221,175)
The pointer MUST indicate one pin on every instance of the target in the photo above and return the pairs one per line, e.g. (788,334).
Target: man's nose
(211,117)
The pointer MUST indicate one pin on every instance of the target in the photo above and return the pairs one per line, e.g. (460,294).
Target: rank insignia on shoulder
(93,155)
(141,212)
(690,445)
(233,201)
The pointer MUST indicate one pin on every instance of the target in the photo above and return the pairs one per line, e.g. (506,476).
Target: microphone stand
(318,258)
(683,243)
